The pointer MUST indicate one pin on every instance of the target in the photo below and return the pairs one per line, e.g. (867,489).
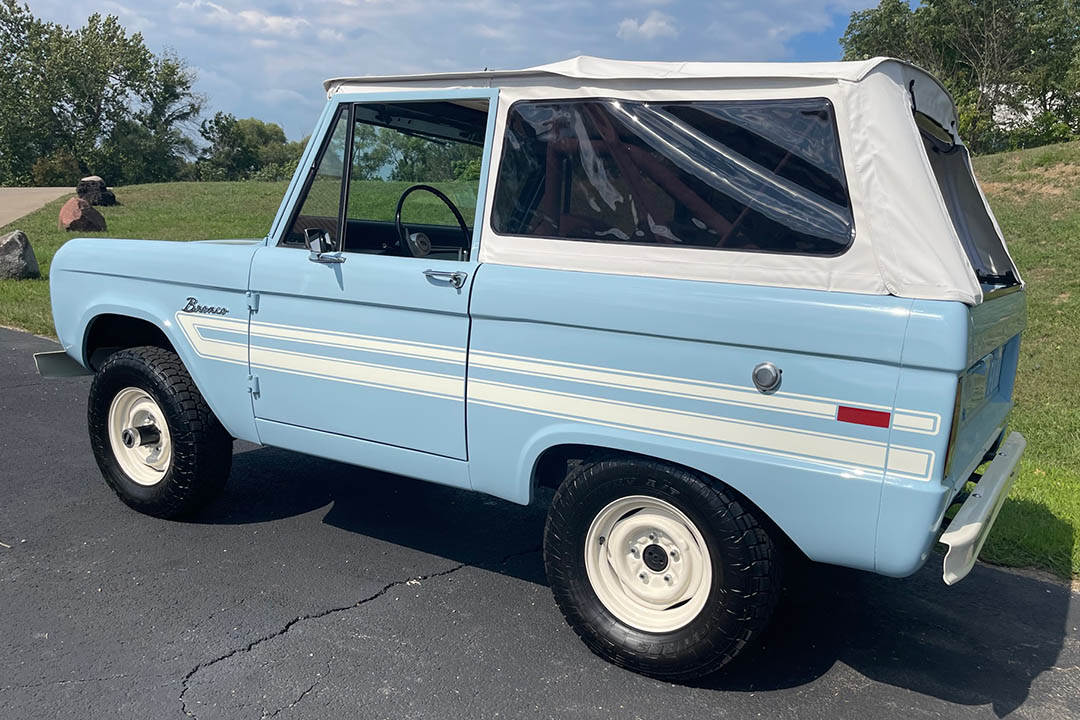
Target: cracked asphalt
(316,590)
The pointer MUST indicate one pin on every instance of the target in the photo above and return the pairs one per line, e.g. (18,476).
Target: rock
(17,260)
(78,215)
(92,189)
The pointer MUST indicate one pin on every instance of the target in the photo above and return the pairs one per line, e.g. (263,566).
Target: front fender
(152,281)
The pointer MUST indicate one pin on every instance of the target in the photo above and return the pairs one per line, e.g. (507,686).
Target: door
(362,324)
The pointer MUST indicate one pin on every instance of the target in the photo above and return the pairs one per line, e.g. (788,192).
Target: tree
(1006,62)
(392,155)
(153,145)
(92,99)
(25,92)
(230,154)
(244,149)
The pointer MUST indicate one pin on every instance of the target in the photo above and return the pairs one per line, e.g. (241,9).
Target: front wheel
(158,444)
(658,569)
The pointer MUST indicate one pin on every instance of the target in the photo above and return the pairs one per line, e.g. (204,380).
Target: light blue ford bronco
(727,311)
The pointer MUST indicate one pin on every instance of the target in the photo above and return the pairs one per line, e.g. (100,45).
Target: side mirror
(321,246)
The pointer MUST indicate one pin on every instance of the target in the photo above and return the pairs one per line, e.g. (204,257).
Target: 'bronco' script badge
(193,306)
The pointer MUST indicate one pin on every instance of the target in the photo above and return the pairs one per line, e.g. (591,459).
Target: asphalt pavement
(312,589)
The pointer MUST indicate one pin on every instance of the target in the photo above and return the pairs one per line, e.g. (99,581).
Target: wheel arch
(551,461)
(108,327)
(109,332)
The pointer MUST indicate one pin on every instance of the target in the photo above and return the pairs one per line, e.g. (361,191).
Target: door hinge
(253,301)
(253,385)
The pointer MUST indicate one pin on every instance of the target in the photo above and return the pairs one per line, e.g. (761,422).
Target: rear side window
(756,175)
(979,237)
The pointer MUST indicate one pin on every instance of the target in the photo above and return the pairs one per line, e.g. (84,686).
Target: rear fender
(799,498)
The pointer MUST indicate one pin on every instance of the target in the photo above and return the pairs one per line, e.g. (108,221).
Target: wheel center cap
(655,558)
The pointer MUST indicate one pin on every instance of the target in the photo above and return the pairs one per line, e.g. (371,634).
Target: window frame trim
(627,243)
(309,178)
(296,193)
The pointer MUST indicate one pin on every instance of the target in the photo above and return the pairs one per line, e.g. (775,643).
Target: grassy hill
(1035,194)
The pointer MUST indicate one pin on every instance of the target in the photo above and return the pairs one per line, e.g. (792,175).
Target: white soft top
(585,67)
(905,241)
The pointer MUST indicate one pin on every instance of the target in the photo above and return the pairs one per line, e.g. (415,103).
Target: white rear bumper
(971,526)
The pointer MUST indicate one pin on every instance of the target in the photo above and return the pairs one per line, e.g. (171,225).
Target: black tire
(201,454)
(745,566)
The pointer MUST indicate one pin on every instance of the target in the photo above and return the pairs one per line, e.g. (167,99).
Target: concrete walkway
(17,202)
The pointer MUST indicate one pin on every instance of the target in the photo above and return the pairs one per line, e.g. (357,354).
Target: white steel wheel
(139,436)
(648,564)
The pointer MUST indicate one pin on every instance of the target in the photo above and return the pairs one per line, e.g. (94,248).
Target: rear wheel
(658,569)
(158,444)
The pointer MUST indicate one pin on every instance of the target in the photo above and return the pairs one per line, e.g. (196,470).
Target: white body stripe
(832,449)
(367,343)
(416,382)
(809,405)
(835,450)
(676,387)
(215,349)
(918,422)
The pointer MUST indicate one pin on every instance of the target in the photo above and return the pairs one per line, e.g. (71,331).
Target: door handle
(331,258)
(456,278)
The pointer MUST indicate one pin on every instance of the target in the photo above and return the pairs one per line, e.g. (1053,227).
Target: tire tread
(752,584)
(202,449)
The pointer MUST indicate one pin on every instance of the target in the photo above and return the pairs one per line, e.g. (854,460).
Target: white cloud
(329,35)
(656,25)
(268,59)
(491,31)
(280,96)
(244,21)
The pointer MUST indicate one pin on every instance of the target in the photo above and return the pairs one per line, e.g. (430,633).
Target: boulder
(78,215)
(17,260)
(92,189)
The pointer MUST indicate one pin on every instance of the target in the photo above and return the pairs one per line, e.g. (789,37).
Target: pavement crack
(22,385)
(310,688)
(71,681)
(186,680)
(519,553)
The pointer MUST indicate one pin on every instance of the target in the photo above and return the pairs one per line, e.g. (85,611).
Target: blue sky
(268,59)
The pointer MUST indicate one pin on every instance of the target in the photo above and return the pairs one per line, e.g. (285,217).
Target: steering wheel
(419,245)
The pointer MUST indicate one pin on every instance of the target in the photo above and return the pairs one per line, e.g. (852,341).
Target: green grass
(178,211)
(1036,198)
(1035,194)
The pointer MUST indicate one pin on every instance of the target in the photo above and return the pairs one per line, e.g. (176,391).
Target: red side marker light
(859,416)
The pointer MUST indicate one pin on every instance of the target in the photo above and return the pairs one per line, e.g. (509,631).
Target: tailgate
(984,392)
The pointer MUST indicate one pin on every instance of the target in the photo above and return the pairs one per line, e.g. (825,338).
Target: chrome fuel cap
(766,377)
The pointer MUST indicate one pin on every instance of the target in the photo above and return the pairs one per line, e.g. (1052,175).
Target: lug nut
(633,551)
(643,576)
(652,536)
(667,578)
(601,540)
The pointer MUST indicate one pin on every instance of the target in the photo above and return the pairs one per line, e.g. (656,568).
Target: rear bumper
(969,529)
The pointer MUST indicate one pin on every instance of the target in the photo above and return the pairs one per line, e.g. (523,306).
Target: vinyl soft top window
(743,175)
(970,218)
